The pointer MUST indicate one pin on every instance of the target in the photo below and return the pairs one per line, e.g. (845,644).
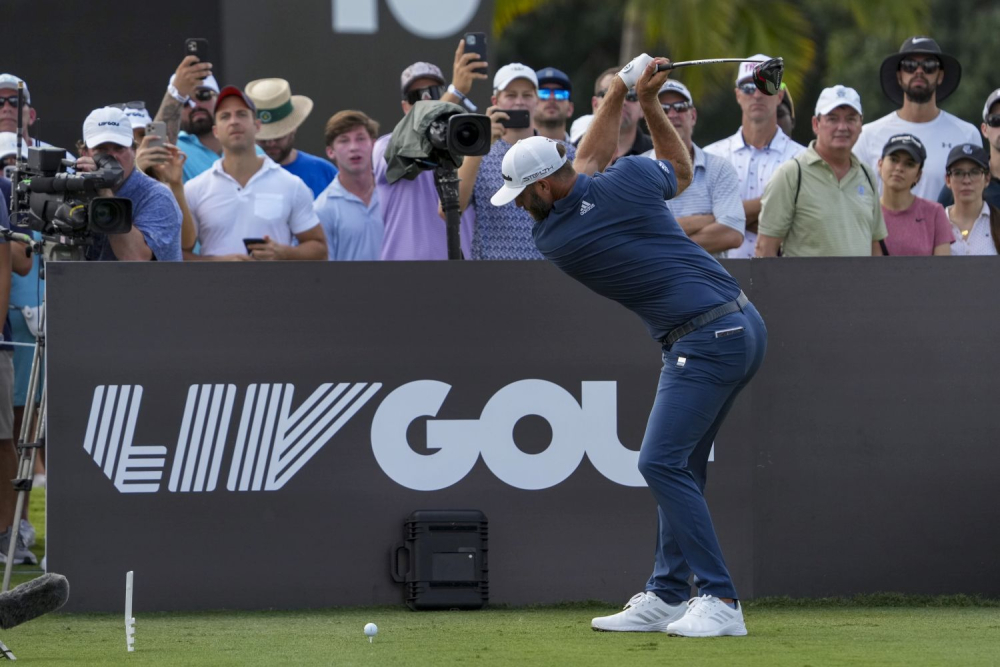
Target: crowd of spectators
(226,182)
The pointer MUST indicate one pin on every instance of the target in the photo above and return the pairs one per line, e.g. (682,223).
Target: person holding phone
(247,196)
(502,232)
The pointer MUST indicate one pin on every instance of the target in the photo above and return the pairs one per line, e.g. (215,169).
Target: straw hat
(279,111)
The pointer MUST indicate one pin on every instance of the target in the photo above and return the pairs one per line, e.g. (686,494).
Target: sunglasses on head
(929,66)
(138,104)
(679,107)
(12,100)
(560,94)
(993,120)
(425,93)
(629,96)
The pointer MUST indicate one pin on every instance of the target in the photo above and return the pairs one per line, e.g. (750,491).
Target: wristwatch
(466,102)
(176,94)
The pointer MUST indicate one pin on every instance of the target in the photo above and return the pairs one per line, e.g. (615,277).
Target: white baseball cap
(746,69)
(671,86)
(990,101)
(209,82)
(11,81)
(526,162)
(579,127)
(837,96)
(139,118)
(107,124)
(513,71)
(8,145)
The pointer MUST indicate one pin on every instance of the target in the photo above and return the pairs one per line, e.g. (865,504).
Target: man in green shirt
(824,202)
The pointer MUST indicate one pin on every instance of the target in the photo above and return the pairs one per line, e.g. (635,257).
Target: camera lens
(469,134)
(110,215)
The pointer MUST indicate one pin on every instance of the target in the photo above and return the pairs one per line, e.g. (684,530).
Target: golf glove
(630,73)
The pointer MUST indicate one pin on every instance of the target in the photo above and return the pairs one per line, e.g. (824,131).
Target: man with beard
(919,77)
(823,202)
(554,105)
(188,109)
(990,130)
(611,232)
(281,114)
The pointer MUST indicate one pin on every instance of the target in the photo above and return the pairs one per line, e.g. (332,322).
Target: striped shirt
(754,167)
(714,190)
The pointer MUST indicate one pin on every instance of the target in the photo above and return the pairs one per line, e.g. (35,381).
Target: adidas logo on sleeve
(586,207)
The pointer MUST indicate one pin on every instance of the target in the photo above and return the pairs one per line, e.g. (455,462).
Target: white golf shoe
(645,612)
(708,616)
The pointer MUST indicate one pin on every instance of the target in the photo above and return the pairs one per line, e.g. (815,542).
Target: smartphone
(158,130)
(475,42)
(249,242)
(198,47)
(518,118)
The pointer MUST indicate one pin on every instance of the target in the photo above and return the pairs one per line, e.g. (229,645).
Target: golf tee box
(445,554)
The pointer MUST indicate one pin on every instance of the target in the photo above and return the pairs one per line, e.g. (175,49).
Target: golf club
(766,75)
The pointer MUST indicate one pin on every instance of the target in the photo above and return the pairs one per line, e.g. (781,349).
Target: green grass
(797,635)
(884,629)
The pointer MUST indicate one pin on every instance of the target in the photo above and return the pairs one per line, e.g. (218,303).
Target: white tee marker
(129,619)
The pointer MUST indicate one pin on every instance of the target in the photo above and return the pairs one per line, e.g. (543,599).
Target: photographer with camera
(413,229)
(502,232)
(156,221)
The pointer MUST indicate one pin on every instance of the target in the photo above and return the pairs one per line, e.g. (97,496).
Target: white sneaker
(645,612)
(708,616)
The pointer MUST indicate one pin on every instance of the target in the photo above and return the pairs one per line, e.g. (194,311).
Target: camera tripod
(32,435)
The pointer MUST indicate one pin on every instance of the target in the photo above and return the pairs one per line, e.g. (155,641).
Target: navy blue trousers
(702,375)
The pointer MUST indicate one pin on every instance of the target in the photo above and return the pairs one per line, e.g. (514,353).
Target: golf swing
(612,232)
(766,75)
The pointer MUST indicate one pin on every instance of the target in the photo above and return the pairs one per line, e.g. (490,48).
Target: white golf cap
(990,101)
(579,127)
(139,118)
(209,83)
(671,86)
(513,71)
(837,96)
(8,145)
(107,124)
(746,69)
(526,162)
(11,81)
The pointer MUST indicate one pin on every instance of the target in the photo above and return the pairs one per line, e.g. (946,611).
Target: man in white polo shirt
(246,206)
(757,149)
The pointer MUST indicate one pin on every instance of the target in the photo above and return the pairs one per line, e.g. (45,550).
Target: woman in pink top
(916,226)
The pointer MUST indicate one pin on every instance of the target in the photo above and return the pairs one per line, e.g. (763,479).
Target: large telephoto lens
(110,215)
(469,134)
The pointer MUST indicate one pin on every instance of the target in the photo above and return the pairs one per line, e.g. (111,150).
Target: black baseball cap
(968,152)
(907,143)
(552,75)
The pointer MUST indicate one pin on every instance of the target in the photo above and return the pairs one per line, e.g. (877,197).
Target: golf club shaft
(709,61)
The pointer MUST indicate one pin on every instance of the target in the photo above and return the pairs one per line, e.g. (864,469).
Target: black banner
(254,436)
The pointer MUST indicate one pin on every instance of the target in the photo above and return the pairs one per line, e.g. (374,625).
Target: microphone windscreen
(32,599)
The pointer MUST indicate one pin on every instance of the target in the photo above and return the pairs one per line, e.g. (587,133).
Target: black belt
(705,318)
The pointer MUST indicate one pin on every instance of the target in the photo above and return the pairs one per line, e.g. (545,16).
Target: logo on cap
(108,122)
(265,116)
(507,178)
(841,93)
(967,149)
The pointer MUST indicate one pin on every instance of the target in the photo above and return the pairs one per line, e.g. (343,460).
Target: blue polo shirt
(615,234)
(315,171)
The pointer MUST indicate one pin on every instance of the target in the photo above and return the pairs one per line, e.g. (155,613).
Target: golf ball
(371,629)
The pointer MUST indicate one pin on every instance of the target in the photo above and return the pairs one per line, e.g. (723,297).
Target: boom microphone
(33,599)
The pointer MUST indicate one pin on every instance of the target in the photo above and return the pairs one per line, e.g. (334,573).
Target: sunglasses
(679,107)
(12,100)
(929,66)
(553,94)
(629,97)
(993,120)
(971,174)
(748,88)
(129,105)
(204,94)
(425,93)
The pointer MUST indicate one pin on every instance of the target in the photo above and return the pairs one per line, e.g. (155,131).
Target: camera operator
(156,218)
(502,232)
(413,229)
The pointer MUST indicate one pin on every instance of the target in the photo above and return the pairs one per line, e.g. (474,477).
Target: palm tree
(694,29)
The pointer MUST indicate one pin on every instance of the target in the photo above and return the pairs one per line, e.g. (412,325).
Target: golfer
(612,232)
